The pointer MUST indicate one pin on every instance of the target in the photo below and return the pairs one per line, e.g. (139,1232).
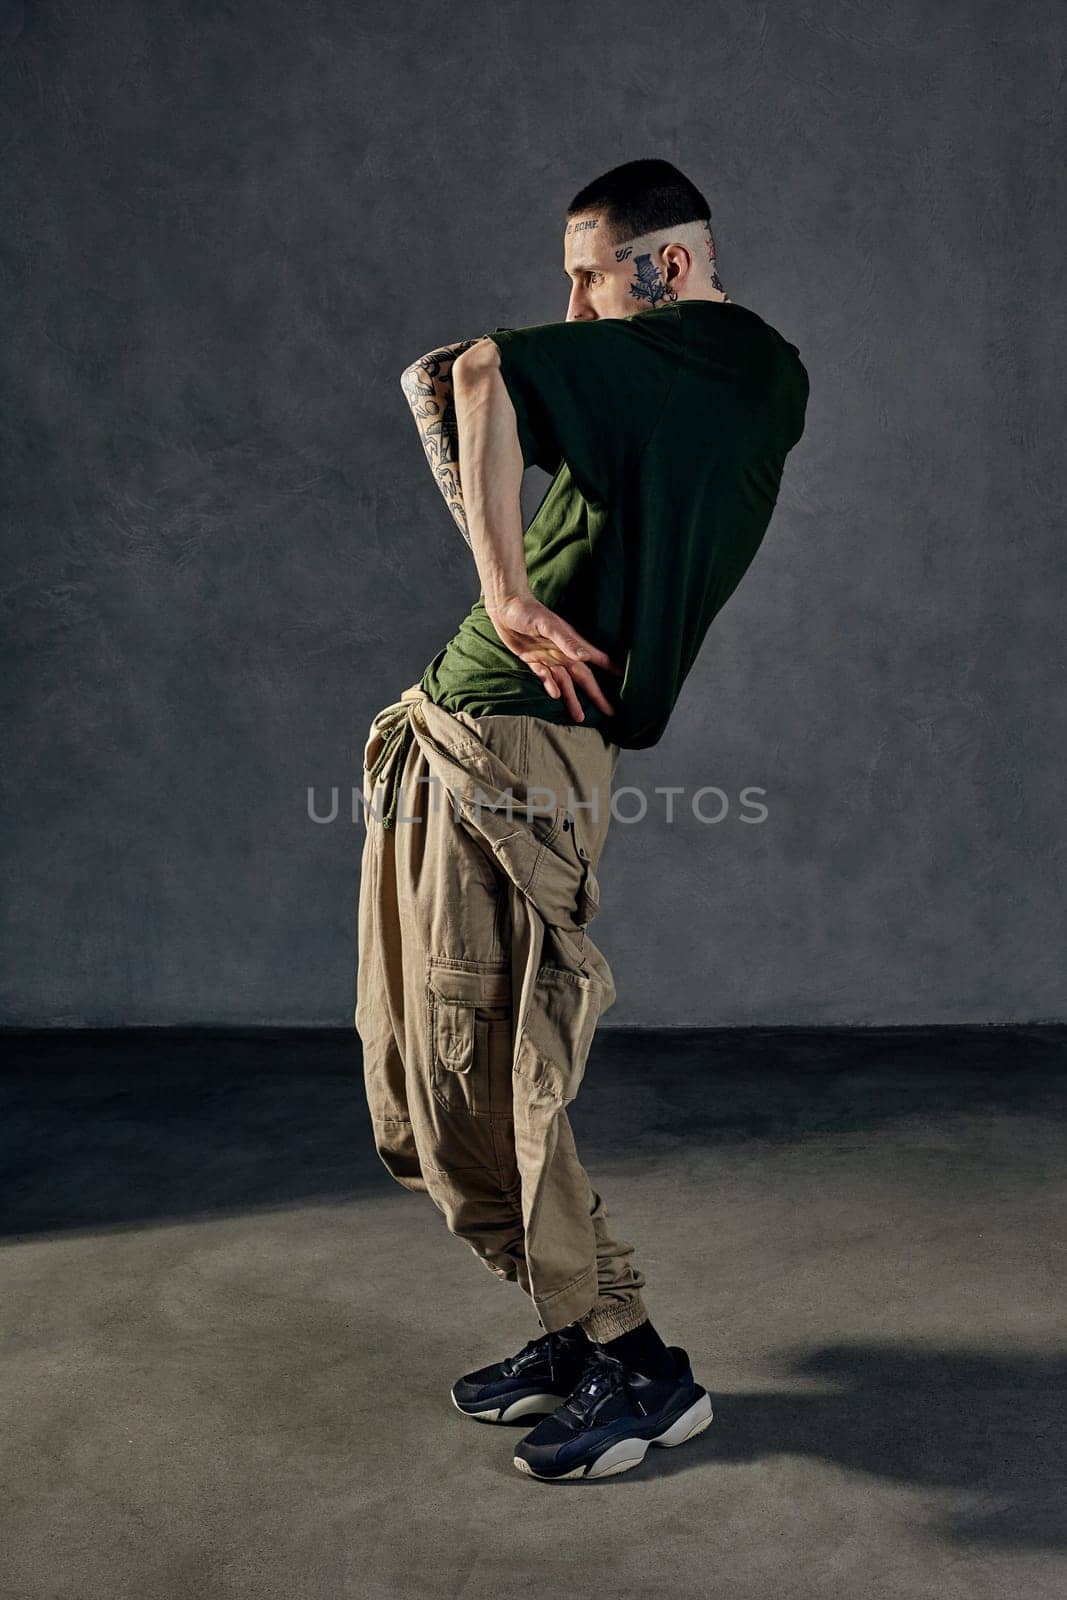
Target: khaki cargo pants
(479,990)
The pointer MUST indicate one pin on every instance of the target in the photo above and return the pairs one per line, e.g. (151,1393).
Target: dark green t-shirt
(666,433)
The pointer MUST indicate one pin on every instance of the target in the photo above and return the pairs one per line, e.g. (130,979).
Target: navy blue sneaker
(533,1380)
(612,1417)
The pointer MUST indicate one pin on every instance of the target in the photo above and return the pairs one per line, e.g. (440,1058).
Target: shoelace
(602,1375)
(534,1347)
(513,1364)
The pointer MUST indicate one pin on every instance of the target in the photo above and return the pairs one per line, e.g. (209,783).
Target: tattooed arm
(427,385)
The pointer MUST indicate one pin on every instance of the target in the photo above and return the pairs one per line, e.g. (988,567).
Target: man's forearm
(488,445)
(427,385)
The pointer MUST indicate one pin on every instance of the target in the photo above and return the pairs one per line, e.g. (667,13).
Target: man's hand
(555,651)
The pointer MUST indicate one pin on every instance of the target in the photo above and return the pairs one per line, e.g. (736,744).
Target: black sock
(642,1348)
(577,1330)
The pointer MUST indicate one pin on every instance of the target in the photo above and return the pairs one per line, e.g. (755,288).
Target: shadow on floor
(113,1128)
(102,1131)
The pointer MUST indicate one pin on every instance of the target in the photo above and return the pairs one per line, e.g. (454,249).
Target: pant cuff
(566,1305)
(613,1318)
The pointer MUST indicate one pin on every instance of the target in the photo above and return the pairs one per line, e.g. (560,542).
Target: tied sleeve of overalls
(394,730)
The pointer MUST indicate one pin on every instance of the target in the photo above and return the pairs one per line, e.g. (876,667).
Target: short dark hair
(642,197)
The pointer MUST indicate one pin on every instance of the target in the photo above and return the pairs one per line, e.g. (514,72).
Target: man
(664,413)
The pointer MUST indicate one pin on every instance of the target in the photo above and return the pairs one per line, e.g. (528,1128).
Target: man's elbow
(476,364)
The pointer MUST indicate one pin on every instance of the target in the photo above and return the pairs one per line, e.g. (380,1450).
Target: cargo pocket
(563,885)
(554,1044)
(588,896)
(470,1033)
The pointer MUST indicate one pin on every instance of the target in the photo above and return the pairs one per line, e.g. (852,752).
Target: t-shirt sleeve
(587,393)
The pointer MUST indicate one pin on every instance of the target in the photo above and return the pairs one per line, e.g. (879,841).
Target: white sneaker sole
(627,1453)
(528,1406)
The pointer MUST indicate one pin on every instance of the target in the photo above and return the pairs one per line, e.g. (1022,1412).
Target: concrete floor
(228,1337)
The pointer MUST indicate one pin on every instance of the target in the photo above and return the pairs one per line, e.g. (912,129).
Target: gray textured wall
(226,230)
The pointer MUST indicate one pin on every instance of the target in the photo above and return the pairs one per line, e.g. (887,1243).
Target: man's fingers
(566,687)
(577,648)
(600,658)
(593,689)
(545,676)
(570,679)
(559,679)
(563,660)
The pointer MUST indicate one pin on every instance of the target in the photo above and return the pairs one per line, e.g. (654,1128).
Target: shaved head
(612,275)
(636,238)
